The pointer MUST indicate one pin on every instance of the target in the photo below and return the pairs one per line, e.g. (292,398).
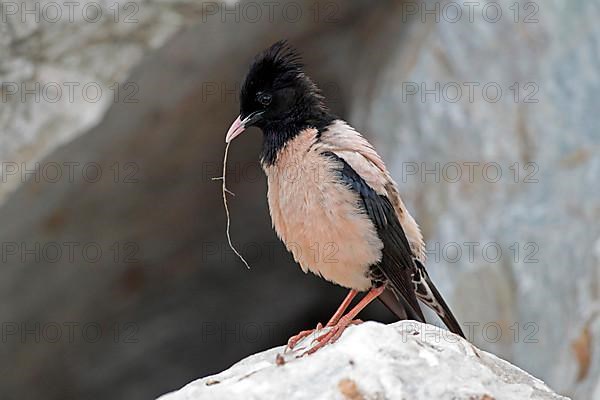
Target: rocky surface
(405,360)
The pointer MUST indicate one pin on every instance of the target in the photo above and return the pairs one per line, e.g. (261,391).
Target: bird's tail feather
(428,294)
(398,307)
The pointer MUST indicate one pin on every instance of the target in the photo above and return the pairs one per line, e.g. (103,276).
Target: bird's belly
(321,224)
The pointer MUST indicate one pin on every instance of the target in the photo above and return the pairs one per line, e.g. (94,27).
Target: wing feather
(342,140)
(396,263)
(403,253)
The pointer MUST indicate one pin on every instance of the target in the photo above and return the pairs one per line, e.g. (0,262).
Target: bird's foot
(294,340)
(333,334)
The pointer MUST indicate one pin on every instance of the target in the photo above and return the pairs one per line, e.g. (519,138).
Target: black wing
(396,265)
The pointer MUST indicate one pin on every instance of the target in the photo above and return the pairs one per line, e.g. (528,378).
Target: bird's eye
(264,98)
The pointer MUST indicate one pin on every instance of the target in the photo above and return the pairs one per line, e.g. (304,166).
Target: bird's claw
(294,340)
(332,335)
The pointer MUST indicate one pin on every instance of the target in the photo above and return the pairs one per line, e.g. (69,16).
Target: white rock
(405,360)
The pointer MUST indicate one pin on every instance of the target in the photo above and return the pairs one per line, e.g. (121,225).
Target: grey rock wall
(536,303)
(63,64)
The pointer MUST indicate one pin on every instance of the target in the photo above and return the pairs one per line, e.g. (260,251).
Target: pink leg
(340,311)
(293,341)
(336,330)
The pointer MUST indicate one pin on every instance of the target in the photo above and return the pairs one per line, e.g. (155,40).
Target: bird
(332,201)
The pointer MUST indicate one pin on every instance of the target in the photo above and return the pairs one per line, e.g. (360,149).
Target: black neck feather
(277,134)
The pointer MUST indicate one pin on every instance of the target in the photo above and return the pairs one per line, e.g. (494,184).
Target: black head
(279,98)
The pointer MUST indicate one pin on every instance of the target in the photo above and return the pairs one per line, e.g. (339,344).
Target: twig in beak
(225,191)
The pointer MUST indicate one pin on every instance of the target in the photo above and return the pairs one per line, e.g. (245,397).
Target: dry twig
(225,191)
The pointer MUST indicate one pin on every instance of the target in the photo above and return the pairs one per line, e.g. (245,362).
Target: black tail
(429,295)
(399,308)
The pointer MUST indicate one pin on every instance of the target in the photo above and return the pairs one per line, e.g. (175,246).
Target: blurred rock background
(117,281)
